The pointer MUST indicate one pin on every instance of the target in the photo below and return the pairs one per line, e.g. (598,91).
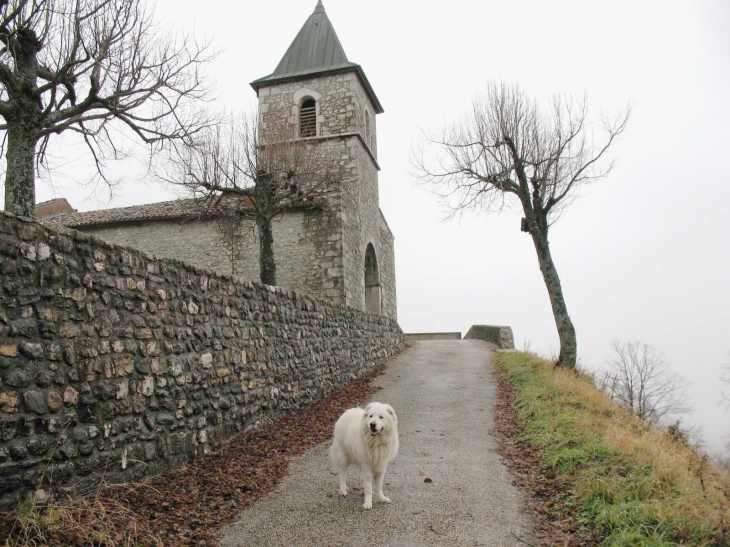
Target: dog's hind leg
(343,481)
(339,462)
(379,476)
(367,486)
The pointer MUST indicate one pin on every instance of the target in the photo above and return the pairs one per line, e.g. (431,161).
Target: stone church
(343,252)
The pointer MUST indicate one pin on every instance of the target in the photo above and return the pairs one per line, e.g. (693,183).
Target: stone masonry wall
(303,256)
(341,106)
(361,225)
(113,360)
(386,258)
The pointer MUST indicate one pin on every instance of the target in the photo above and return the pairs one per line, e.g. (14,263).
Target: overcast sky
(643,255)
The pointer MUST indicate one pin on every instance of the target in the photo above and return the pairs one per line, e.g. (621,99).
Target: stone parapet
(420,336)
(502,336)
(113,360)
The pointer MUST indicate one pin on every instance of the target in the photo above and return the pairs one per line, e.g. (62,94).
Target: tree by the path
(510,149)
(77,65)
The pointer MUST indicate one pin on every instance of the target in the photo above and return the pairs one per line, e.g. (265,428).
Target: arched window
(308,119)
(372,281)
(367,129)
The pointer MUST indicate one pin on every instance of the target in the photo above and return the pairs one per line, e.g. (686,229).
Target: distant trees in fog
(639,378)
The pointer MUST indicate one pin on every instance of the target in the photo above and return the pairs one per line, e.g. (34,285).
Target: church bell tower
(317,95)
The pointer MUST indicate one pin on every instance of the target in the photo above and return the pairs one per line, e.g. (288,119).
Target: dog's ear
(392,412)
(367,408)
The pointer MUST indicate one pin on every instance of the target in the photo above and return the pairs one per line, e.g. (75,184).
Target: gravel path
(444,394)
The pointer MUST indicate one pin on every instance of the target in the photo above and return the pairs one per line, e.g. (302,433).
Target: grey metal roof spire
(315,50)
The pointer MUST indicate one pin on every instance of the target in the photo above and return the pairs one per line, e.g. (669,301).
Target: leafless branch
(80,65)
(235,173)
(509,145)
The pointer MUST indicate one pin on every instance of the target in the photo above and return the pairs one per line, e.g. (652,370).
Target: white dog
(367,438)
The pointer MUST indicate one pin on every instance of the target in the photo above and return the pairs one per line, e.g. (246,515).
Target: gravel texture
(448,484)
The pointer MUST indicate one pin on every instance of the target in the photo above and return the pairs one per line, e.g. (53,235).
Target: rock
(70,396)
(54,400)
(18,451)
(68,330)
(9,350)
(80,434)
(9,401)
(44,378)
(35,401)
(18,378)
(143,334)
(38,444)
(31,350)
(165,419)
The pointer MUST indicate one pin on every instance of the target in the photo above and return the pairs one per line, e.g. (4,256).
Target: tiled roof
(181,209)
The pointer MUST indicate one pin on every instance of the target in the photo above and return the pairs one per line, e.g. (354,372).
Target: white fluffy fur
(369,439)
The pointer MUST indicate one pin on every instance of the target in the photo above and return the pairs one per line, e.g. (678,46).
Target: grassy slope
(632,485)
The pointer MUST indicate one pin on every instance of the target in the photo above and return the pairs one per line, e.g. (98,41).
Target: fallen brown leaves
(554,526)
(186,506)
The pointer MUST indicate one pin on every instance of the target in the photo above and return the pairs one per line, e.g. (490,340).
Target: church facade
(343,252)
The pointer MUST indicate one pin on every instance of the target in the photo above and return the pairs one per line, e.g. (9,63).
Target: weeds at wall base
(97,519)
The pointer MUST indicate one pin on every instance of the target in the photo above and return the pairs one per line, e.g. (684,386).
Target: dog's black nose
(373,427)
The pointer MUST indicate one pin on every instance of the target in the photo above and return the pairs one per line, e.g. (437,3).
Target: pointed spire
(315,50)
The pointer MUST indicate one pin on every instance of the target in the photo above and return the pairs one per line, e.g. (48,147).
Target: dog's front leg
(367,486)
(379,476)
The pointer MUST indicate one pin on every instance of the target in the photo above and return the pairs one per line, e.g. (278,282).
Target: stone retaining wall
(113,360)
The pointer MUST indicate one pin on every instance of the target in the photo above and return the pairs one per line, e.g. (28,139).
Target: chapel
(343,252)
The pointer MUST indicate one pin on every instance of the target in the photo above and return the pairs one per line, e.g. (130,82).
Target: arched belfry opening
(308,118)
(372,281)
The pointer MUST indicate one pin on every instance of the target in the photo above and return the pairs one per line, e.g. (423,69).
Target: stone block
(53,400)
(69,330)
(70,396)
(18,378)
(8,350)
(31,350)
(35,401)
(9,402)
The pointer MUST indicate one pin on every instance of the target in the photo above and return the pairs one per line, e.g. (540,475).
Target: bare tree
(509,150)
(231,167)
(639,379)
(77,65)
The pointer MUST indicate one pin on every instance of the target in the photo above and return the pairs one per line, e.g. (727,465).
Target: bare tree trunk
(566,331)
(264,192)
(267,265)
(21,128)
(20,174)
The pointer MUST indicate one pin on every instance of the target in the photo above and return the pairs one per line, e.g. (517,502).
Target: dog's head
(379,418)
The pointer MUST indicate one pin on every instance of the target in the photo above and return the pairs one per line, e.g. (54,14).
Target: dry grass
(632,484)
(97,519)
